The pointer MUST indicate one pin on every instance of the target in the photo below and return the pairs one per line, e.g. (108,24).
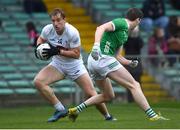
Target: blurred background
(155,43)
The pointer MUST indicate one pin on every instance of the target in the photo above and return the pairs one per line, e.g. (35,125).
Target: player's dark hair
(57,11)
(134,13)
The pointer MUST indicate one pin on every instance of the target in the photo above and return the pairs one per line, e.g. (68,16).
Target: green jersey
(112,41)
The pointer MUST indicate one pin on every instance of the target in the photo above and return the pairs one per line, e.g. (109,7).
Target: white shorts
(99,69)
(71,71)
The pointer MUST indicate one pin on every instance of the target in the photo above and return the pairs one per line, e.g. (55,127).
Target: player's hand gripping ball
(41,51)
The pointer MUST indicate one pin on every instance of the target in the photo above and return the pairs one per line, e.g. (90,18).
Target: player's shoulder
(120,23)
(48,28)
(70,29)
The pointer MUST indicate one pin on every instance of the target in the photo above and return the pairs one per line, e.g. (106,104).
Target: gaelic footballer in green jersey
(105,63)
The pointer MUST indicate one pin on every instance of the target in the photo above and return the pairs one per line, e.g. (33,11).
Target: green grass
(129,117)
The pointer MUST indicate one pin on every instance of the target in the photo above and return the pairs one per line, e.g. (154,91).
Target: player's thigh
(123,77)
(105,86)
(84,81)
(48,75)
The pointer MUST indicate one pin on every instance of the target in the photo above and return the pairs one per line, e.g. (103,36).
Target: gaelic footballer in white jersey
(65,44)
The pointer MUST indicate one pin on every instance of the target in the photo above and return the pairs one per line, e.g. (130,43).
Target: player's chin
(57,29)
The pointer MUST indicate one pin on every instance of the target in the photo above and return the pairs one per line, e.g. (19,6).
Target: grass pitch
(129,117)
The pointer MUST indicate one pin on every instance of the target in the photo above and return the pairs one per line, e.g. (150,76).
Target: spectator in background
(174,37)
(133,47)
(32,33)
(154,15)
(31,6)
(157,45)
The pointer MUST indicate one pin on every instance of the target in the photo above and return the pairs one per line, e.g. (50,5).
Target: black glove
(52,51)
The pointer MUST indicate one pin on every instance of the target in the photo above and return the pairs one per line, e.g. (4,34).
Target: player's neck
(60,32)
(131,24)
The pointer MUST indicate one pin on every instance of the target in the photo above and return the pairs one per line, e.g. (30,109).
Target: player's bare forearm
(40,40)
(71,53)
(120,58)
(123,60)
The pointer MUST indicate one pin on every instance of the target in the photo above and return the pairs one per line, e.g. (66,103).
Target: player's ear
(138,20)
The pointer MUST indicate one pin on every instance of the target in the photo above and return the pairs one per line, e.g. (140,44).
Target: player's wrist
(129,62)
(61,51)
(97,44)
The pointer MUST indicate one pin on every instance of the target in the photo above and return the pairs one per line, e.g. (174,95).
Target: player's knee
(90,94)
(37,83)
(137,85)
(134,85)
(108,97)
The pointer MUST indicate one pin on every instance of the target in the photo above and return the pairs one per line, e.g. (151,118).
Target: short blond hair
(57,11)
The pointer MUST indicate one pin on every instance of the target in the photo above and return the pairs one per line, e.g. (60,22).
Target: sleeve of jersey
(75,41)
(44,33)
(118,24)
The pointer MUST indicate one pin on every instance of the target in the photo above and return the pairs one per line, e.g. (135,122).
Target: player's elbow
(99,28)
